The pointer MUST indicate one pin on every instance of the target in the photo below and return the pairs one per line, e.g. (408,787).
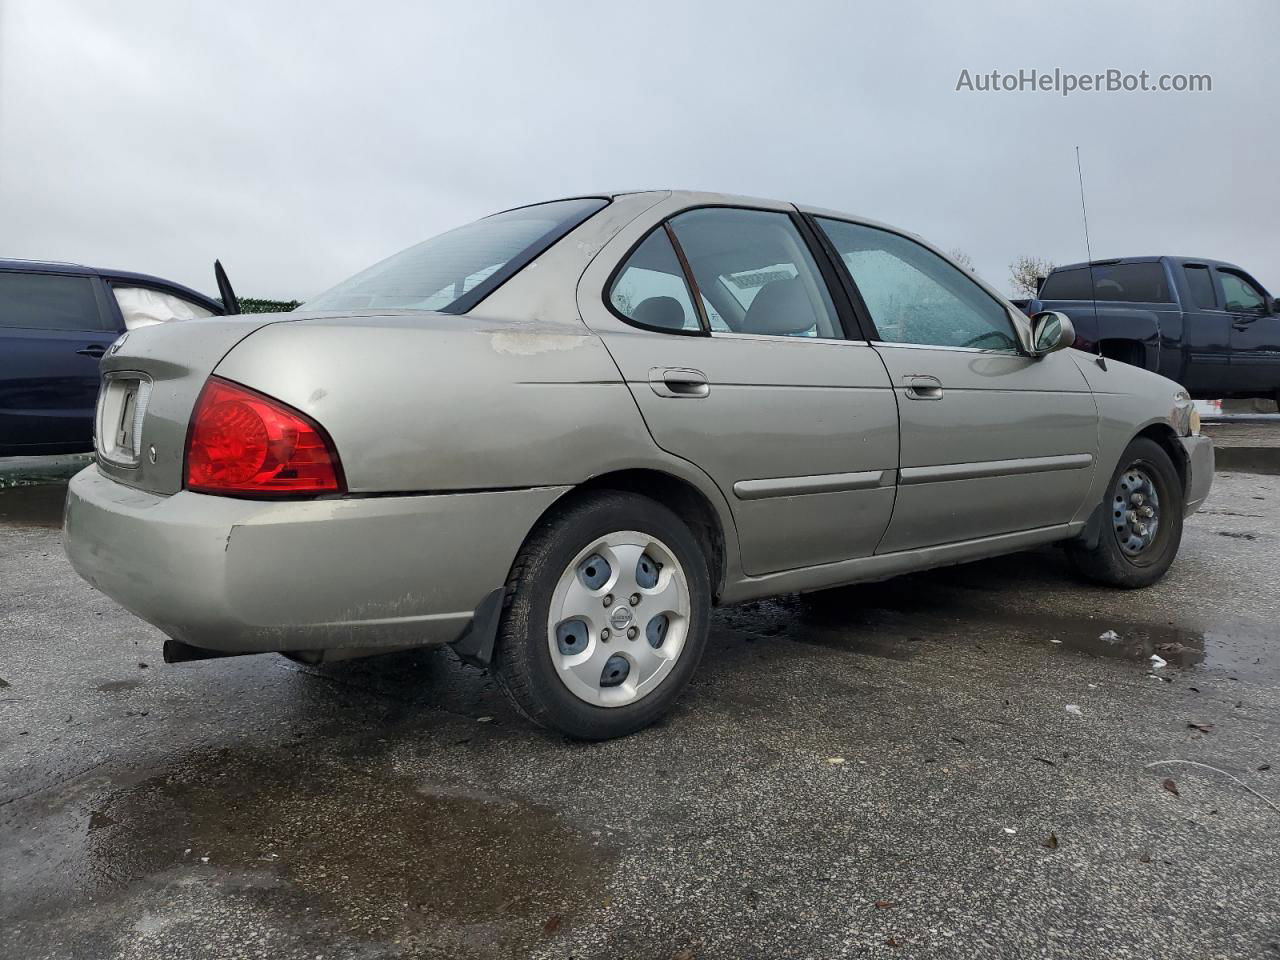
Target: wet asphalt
(953,764)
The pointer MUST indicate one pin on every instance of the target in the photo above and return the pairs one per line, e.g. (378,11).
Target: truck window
(1241,295)
(1201,285)
(1123,282)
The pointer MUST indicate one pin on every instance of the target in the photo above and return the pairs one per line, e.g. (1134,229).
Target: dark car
(56,321)
(1207,324)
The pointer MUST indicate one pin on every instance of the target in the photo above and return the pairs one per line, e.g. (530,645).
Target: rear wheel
(606,617)
(1142,521)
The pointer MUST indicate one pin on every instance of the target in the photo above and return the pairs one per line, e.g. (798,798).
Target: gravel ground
(953,764)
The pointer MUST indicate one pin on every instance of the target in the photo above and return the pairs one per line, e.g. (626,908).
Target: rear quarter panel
(420,403)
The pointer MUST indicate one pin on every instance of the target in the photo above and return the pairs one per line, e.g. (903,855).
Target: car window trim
(694,296)
(874,338)
(690,281)
(934,346)
(851,311)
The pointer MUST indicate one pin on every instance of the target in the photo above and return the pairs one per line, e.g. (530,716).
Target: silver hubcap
(619,618)
(1135,510)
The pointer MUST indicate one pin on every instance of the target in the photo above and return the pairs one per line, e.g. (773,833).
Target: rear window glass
(1123,282)
(456,270)
(46,301)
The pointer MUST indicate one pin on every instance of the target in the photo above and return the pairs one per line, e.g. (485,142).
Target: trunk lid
(151,378)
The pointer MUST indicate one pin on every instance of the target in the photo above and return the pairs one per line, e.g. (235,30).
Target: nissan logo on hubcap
(620,618)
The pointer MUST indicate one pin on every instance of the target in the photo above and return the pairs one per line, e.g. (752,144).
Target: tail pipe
(175,651)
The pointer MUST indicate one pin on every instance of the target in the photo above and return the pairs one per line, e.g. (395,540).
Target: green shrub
(257,305)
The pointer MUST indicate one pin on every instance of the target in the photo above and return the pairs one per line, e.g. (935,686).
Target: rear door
(723,326)
(1255,334)
(993,441)
(1206,337)
(53,331)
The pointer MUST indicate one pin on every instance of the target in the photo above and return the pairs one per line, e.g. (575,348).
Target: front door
(52,335)
(737,359)
(1255,335)
(993,440)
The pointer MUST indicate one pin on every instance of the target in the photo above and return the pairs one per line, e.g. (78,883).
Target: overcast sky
(300,142)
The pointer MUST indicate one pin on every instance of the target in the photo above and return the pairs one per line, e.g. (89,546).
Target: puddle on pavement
(380,855)
(1240,650)
(33,505)
(889,619)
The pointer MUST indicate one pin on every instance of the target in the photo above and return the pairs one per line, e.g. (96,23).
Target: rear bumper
(1199,453)
(248,576)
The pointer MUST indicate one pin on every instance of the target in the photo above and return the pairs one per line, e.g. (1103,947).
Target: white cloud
(300,142)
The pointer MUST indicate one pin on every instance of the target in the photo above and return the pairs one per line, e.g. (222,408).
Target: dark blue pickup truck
(1206,324)
(56,322)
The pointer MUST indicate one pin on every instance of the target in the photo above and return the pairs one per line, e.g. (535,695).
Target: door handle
(93,350)
(923,388)
(679,382)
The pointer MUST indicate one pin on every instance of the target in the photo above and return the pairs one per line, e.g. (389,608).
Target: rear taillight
(243,443)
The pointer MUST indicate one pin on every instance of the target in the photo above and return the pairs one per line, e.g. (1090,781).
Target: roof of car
(80,270)
(1112,261)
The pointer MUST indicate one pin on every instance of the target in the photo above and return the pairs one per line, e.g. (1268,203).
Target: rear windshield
(1125,282)
(453,272)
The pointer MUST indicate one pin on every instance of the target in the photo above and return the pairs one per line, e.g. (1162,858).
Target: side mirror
(1051,331)
(1275,306)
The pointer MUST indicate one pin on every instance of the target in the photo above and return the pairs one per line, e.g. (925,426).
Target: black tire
(522,657)
(1107,562)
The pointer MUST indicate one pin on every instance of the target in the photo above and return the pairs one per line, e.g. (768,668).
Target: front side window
(1201,286)
(451,273)
(755,273)
(914,295)
(47,301)
(1240,295)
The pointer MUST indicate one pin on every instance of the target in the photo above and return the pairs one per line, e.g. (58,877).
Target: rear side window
(650,289)
(453,272)
(755,270)
(1121,282)
(47,301)
(1201,286)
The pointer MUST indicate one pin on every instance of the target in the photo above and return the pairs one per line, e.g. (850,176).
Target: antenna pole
(1084,212)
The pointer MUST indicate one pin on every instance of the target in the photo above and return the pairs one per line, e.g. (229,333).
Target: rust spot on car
(521,343)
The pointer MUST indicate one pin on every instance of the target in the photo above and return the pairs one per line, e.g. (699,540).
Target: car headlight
(1184,416)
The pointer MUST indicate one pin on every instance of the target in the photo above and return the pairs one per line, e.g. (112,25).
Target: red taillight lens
(241,442)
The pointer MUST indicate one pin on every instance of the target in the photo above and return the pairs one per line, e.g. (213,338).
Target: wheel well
(1132,352)
(1163,434)
(683,499)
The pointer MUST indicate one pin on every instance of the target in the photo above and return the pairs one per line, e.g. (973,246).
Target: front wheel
(606,617)
(1142,521)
